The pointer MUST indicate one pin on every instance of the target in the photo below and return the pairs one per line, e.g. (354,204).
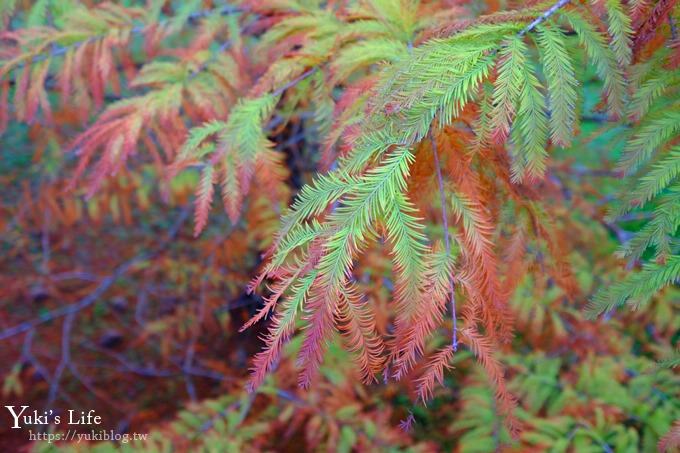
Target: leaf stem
(447,241)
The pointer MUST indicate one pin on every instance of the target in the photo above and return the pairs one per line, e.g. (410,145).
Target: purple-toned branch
(447,241)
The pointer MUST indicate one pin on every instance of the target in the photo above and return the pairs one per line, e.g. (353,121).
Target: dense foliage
(477,203)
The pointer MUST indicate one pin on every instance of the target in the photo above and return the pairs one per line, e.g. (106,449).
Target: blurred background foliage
(157,349)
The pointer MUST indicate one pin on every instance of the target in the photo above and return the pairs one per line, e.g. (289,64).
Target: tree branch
(543,17)
(447,241)
(105,284)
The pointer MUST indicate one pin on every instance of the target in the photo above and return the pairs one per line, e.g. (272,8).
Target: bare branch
(105,284)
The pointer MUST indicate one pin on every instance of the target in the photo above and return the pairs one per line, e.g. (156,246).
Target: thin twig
(105,284)
(140,307)
(447,241)
(45,243)
(295,81)
(673,27)
(67,328)
(543,17)
(74,275)
(245,409)
(93,390)
(223,48)
(27,355)
(198,322)
(150,370)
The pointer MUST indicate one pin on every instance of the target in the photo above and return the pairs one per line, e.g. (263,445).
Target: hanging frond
(280,330)
(559,73)
(240,146)
(320,313)
(620,31)
(483,349)
(363,199)
(655,188)
(357,324)
(530,134)
(652,133)
(637,289)
(437,277)
(204,198)
(434,374)
(603,58)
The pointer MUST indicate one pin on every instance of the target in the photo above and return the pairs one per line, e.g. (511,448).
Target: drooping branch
(447,243)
